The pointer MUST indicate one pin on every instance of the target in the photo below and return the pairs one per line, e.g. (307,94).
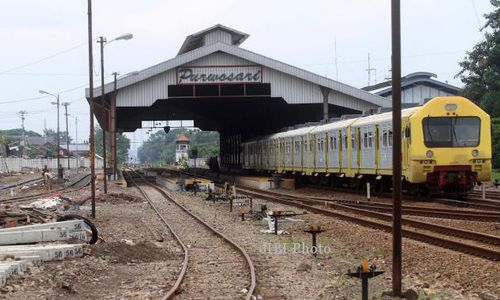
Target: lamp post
(102,40)
(59,174)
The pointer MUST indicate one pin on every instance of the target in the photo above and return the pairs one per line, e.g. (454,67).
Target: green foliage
(481,66)
(495,136)
(122,145)
(18,132)
(160,146)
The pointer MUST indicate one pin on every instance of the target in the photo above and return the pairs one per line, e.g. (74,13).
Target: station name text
(219,75)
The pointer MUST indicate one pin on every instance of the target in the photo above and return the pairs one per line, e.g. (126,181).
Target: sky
(44,43)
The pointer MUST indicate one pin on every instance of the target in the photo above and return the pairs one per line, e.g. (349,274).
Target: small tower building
(181,147)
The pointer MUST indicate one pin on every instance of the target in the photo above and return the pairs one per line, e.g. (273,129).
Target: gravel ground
(215,268)
(131,263)
(298,275)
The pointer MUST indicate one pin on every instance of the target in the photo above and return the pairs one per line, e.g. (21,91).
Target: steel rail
(483,216)
(407,232)
(173,290)
(249,262)
(20,183)
(31,197)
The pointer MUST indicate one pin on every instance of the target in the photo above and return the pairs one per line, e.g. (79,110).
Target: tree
(160,146)
(51,133)
(122,145)
(18,132)
(481,67)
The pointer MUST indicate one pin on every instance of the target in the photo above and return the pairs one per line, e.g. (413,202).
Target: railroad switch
(364,273)
(314,230)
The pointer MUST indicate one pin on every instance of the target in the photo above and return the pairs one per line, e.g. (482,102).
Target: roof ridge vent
(215,34)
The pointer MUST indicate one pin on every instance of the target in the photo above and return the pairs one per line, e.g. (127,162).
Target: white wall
(14,164)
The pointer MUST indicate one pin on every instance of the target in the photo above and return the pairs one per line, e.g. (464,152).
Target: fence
(14,164)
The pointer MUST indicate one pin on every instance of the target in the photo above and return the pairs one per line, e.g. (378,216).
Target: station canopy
(224,87)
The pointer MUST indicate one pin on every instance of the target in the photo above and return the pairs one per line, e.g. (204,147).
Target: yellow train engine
(446,147)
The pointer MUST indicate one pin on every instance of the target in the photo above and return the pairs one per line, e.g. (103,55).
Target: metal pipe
(91,103)
(396,148)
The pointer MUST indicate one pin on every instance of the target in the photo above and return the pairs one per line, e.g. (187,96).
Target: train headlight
(429,153)
(475,152)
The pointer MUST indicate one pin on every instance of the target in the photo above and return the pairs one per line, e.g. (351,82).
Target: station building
(226,88)
(416,88)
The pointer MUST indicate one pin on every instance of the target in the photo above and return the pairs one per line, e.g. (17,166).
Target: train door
(355,133)
(297,154)
(406,146)
(367,147)
(312,151)
(345,150)
(333,149)
(385,149)
(319,153)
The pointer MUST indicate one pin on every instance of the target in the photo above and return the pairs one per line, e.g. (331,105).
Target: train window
(451,131)
(370,140)
(331,143)
(389,138)
(305,146)
(384,138)
(353,141)
(335,143)
(345,141)
(322,145)
(365,140)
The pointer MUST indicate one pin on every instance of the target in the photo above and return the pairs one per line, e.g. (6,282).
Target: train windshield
(451,131)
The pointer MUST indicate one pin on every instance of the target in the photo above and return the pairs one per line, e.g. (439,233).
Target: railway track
(38,179)
(481,216)
(214,266)
(473,243)
(465,241)
(74,186)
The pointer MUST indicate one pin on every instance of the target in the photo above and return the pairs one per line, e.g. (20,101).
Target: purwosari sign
(219,74)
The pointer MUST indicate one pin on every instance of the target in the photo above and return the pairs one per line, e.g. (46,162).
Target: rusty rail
(176,287)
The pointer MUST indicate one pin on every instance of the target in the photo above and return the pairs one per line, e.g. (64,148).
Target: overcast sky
(44,42)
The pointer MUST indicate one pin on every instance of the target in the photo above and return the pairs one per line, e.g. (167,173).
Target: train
(446,148)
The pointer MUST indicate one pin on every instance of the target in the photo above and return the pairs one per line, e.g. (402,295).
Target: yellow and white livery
(446,147)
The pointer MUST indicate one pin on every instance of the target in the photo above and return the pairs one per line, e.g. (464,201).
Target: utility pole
(76,143)
(336,61)
(113,127)
(369,70)
(102,41)
(65,104)
(23,113)
(396,149)
(91,103)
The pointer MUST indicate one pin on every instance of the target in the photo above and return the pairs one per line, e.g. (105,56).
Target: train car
(446,147)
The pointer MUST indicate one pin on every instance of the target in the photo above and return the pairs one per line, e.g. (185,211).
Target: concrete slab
(71,225)
(39,236)
(170,183)
(46,252)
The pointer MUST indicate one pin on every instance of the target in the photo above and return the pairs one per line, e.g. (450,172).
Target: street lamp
(59,173)
(102,40)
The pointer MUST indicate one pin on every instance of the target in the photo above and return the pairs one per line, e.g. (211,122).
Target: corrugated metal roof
(252,57)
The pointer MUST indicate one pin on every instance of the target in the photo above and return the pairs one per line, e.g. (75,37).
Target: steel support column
(112,126)
(396,149)
(325,92)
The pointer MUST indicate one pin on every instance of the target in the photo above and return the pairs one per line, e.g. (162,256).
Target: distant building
(415,88)
(181,147)
(78,149)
